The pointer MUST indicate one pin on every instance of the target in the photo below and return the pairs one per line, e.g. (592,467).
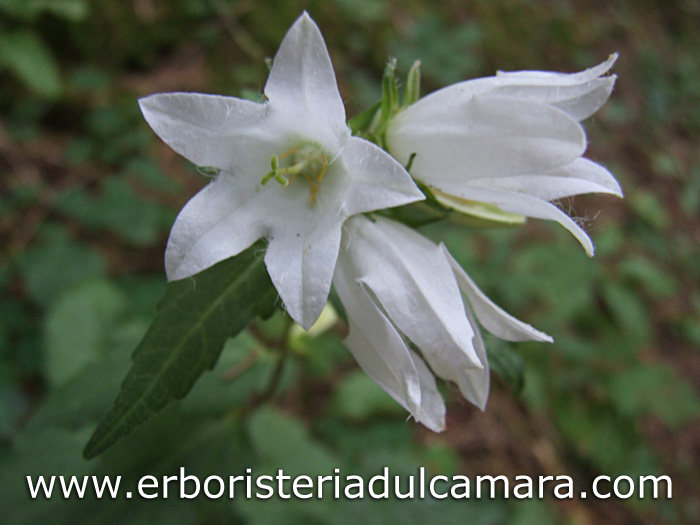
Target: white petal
(580,101)
(477,382)
(304,239)
(410,279)
(593,172)
(522,205)
(217,223)
(579,94)
(232,212)
(576,178)
(300,259)
(562,79)
(209,130)
(432,407)
(381,352)
(493,317)
(375,179)
(302,76)
(485,136)
(375,343)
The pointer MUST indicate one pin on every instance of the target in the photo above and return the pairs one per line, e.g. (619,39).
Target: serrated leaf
(193,321)
(30,60)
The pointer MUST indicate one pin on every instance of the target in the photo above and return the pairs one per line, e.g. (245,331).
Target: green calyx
(372,123)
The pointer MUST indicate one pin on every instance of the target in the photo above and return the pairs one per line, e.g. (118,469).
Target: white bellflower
(510,143)
(408,320)
(288,171)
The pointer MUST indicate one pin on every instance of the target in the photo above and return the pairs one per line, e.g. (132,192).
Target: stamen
(308,160)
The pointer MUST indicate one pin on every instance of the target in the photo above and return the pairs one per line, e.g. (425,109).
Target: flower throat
(308,162)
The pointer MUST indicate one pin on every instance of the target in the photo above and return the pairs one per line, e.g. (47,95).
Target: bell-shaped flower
(508,144)
(288,171)
(408,320)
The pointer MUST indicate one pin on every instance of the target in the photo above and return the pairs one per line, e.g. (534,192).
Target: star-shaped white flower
(513,142)
(289,172)
(408,320)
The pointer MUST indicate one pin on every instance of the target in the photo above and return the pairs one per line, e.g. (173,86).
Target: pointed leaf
(31,61)
(193,321)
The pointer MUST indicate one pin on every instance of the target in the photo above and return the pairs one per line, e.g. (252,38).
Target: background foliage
(89,194)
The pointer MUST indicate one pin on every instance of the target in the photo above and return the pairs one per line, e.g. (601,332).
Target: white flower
(513,142)
(408,320)
(289,171)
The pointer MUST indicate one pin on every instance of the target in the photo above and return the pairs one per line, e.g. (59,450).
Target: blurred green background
(89,194)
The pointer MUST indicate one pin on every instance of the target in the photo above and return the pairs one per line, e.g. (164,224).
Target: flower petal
(432,407)
(523,205)
(300,259)
(208,130)
(476,385)
(578,94)
(493,317)
(576,178)
(579,101)
(375,179)
(382,353)
(411,281)
(302,76)
(219,222)
(375,343)
(485,136)
(562,79)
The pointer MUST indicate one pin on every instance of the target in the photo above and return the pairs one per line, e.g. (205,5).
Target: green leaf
(30,60)
(655,280)
(361,122)
(359,397)
(655,389)
(72,10)
(507,364)
(80,328)
(284,443)
(629,312)
(599,434)
(57,263)
(118,208)
(194,320)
